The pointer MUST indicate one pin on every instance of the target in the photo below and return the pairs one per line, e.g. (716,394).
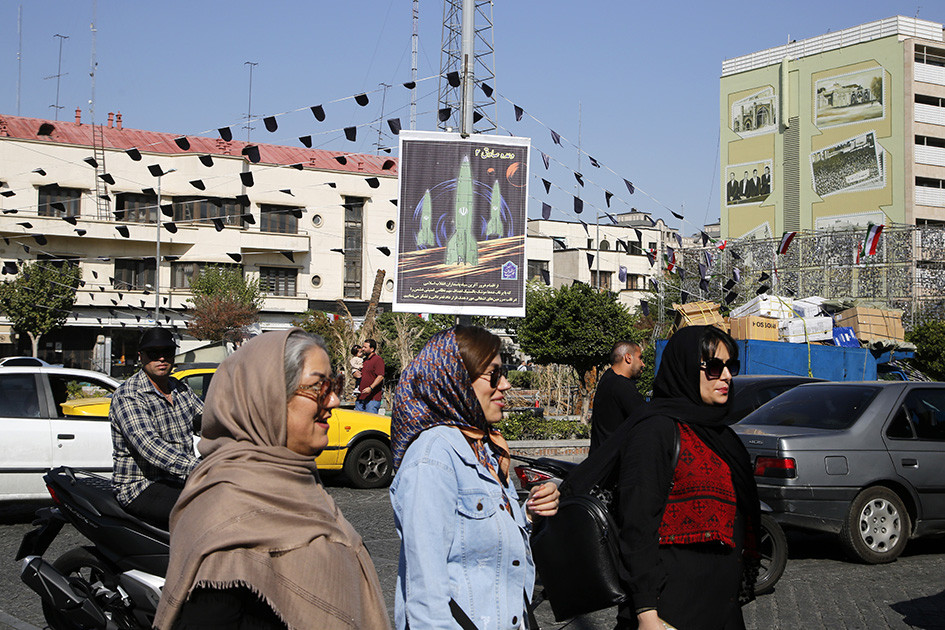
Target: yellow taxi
(358,442)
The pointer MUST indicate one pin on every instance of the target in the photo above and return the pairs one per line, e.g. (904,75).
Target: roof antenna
(58,76)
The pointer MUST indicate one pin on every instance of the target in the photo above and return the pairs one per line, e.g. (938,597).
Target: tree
(224,303)
(929,339)
(876,87)
(40,298)
(575,326)
(403,335)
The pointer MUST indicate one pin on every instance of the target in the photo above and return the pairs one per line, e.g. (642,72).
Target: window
(929,55)
(604,282)
(824,407)
(651,246)
(280,219)
(634,248)
(590,243)
(135,208)
(930,141)
(202,209)
(605,245)
(929,182)
(278,280)
(354,214)
(925,410)
(924,99)
(67,388)
(133,275)
(66,200)
(634,282)
(18,396)
(183,273)
(538,270)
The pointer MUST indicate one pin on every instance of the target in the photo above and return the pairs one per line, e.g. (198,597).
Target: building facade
(142,212)
(835,132)
(609,256)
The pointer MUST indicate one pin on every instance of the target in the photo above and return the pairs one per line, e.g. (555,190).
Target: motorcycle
(112,584)
(772,544)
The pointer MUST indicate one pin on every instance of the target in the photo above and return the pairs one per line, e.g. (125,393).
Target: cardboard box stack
(766,306)
(805,329)
(872,323)
(698,314)
(751,327)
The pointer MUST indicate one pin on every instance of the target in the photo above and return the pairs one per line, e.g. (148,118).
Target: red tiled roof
(65,132)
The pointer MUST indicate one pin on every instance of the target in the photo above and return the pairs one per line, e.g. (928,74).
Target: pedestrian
(617,395)
(687,534)
(256,541)
(356,361)
(371,389)
(464,553)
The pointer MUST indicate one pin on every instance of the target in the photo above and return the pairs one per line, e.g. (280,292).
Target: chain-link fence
(906,273)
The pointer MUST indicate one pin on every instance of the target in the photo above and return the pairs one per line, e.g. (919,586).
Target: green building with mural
(835,132)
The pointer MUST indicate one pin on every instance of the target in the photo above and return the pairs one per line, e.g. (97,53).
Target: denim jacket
(457,538)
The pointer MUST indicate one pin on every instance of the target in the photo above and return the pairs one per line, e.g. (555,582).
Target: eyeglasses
(321,391)
(495,376)
(715,366)
(160,353)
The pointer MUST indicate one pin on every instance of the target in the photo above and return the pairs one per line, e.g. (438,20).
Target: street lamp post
(157,257)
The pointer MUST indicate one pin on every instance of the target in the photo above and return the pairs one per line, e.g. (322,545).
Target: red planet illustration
(510,173)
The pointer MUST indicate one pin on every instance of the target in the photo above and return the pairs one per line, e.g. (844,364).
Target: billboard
(461,244)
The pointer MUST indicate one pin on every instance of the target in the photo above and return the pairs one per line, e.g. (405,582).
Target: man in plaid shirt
(152,417)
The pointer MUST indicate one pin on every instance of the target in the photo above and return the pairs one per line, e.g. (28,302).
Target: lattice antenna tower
(485,113)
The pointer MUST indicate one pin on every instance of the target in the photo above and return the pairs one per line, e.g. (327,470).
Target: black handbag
(576,551)
(576,557)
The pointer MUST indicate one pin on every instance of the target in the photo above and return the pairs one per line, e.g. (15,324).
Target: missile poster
(461,243)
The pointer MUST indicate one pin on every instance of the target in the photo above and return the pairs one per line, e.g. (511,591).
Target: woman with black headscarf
(687,532)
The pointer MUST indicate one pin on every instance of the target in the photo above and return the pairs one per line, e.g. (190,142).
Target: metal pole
(59,72)
(249,107)
(468,57)
(414,44)
(19,56)
(157,256)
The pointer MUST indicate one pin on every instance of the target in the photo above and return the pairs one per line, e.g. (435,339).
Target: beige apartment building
(313,226)
(562,252)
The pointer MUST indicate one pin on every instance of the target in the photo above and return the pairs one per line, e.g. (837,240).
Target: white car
(36,434)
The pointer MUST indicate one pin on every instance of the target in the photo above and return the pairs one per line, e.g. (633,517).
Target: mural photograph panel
(851,165)
(748,183)
(849,98)
(755,114)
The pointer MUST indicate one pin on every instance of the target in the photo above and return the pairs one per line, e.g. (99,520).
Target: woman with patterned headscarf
(256,542)
(464,554)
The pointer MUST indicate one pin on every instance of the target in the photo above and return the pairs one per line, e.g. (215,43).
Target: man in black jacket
(616,396)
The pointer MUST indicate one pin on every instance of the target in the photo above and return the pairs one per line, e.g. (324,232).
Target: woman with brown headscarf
(256,541)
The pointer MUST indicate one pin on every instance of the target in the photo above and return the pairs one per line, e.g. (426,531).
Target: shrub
(522,380)
(523,425)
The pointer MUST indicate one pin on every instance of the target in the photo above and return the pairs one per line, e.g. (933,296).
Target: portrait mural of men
(752,187)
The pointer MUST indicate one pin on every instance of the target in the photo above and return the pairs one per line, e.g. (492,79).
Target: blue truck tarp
(833,363)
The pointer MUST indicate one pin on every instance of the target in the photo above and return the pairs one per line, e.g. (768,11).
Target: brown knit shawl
(254,514)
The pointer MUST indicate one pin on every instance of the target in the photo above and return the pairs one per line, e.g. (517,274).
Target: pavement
(819,589)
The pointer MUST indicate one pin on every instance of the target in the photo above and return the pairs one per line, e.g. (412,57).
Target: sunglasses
(321,391)
(160,353)
(714,367)
(495,376)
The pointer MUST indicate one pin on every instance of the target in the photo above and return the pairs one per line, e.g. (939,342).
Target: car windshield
(815,407)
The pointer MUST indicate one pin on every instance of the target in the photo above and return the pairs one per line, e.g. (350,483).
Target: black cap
(156,338)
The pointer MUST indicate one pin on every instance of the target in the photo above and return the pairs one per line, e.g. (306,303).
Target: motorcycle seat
(97,491)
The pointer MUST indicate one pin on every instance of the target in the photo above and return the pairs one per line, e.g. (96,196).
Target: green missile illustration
(462,248)
(494,226)
(425,236)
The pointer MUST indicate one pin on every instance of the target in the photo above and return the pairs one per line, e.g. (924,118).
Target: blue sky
(645,76)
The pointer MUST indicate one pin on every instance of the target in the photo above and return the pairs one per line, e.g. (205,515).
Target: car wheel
(877,527)
(369,464)
(772,546)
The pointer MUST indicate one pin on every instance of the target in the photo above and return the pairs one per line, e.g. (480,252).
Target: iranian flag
(872,239)
(786,239)
(721,245)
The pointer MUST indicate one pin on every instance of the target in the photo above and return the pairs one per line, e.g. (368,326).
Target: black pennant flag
(183,143)
(555,137)
(545,211)
(629,185)
(319,112)
(545,159)
(271,124)
(608,196)
(225,134)
(351,133)
(519,112)
(134,154)
(361,99)
(247,178)
(453,78)
(547,185)
(578,205)
(306,140)
(579,178)
(394,124)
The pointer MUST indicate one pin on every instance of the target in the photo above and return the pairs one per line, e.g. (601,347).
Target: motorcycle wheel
(772,545)
(87,574)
